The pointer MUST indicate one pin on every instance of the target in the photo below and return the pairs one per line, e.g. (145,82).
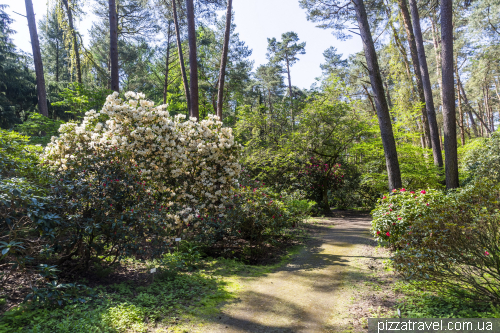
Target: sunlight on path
(310,294)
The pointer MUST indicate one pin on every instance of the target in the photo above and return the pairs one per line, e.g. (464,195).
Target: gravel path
(311,293)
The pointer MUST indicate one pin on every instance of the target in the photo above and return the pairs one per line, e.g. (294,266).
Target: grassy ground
(166,304)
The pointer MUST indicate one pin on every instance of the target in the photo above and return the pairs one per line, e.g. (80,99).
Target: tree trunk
(40,80)
(167,63)
(57,60)
(113,46)
(75,42)
(416,68)
(448,88)
(460,112)
(426,83)
(181,57)
(223,62)
(193,60)
(384,118)
(399,45)
(469,107)
(435,33)
(290,92)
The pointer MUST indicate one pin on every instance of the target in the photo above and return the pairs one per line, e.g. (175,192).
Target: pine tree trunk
(57,60)
(469,107)
(290,91)
(75,41)
(113,46)
(193,60)
(37,57)
(448,88)
(416,68)
(223,62)
(181,57)
(426,83)
(167,63)
(460,112)
(435,41)
(384,118)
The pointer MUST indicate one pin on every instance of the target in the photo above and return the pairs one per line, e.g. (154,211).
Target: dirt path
(314,292)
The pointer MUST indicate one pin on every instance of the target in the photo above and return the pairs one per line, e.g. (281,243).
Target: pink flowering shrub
(396,213)
(451,239)
(319,179)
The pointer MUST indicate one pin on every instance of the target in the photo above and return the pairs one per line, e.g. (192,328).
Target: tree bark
(37,57)
(57,60)
(75,42)
(416,68)
(435,41)
(426,83)
(466,101)
(113,46)
(181,57)
(167,63)
(223,62)
(290,92)
(460,112)
(193,60)
(384,118)
(448,88)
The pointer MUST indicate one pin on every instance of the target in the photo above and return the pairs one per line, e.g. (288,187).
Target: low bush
(451,239)
(483,160)
(17,157)
(396,212)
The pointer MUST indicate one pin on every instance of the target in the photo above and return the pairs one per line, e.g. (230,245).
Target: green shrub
(396,213)
(483,160)
(17,157)
(39,128)
(456,243)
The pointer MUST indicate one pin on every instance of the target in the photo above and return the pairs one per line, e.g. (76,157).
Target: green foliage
(39,128)
(422,300)
(451,239)
(482,160)
(54,294)
(78,99)
(456,243)
(17,80)
(396,213)
(17,157)
(160,303)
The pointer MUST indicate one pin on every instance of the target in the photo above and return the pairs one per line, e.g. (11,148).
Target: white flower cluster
(191,163)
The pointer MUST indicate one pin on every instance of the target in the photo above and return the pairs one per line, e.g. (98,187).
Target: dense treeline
(421,87)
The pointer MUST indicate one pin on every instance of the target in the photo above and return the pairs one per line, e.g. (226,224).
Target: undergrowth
(419,300)
(166,303)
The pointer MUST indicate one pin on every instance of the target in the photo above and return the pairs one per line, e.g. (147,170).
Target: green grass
(423,301)
(168,304)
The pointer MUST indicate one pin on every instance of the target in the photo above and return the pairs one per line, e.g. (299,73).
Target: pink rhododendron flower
(378,232)
(427,204)
(423,192)
(412,192)
(388,234)
(399,218)
(384,197)
(402,190)
(486,253)
(394,191)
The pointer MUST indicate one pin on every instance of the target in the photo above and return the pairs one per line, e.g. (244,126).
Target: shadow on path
(309,291)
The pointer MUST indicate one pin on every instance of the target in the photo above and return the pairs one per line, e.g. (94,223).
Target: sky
(256,20)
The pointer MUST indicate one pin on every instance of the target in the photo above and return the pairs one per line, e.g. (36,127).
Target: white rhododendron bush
(185,169)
